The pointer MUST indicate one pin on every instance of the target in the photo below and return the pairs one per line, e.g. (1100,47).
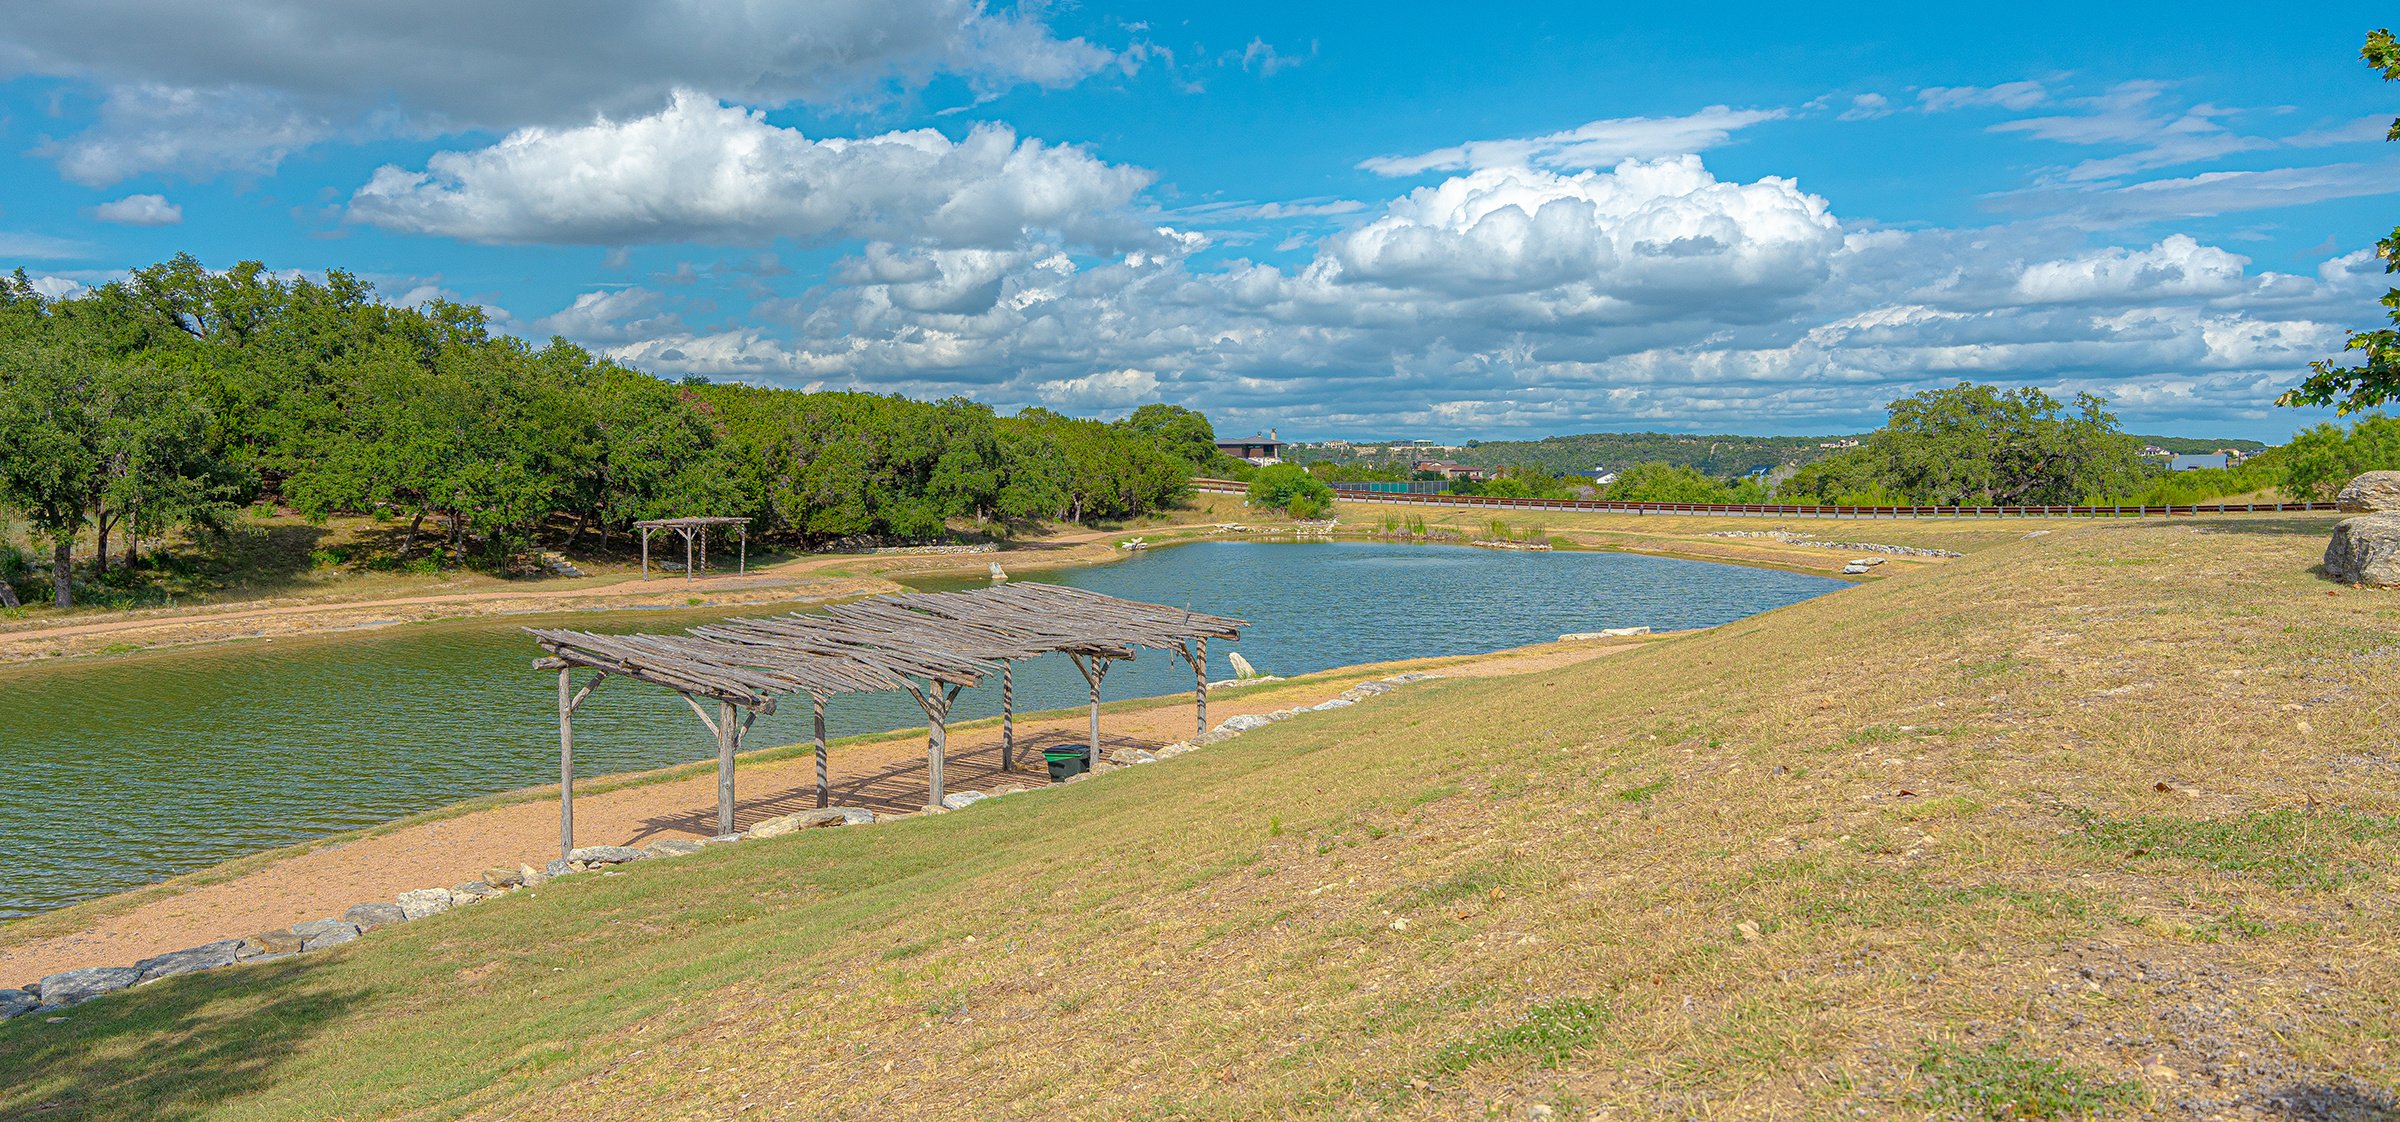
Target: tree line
(1970,445)
(174,398)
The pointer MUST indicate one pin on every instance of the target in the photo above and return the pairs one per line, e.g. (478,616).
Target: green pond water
(118,773)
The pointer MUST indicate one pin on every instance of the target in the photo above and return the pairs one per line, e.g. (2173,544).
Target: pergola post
(937,739)
(687,554)
(1008,728)
(824,791)
(645,552)
(566,766)
(1094,668)
(1200,684)
(726,736)
(744,564)
(568,702)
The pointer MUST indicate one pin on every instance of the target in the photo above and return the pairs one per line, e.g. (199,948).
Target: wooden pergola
(692,528)
(930,645)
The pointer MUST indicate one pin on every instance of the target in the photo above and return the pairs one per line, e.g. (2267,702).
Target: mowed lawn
(2101,821)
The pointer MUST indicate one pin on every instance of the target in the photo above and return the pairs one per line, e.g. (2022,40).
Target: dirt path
(886,775)
(807,578)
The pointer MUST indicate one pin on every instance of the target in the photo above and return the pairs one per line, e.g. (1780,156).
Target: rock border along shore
(73,987)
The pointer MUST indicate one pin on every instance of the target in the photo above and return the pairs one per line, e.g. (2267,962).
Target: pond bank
(884,773)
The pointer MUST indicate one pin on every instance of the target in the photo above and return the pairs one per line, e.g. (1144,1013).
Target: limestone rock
(73,986)
(557,869)
(812,820)
(368,917)
(1580,636)
(422,902)
(17,1003)
(268,944)
(1336,703)
(2365,550)
(1623,632)
(530,876)
(1241,666)
(472,892)
(206,956)
(318,934)
(961,800)
(676,847)
(607,855)
(502,876)
(1369,689)
(2376,492)
(1133,756)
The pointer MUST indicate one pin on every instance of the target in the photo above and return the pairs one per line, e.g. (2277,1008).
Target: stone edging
(73,987)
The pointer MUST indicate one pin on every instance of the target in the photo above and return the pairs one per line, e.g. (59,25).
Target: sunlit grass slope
(2103,821)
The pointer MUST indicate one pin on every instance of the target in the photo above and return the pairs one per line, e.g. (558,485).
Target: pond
(120,773)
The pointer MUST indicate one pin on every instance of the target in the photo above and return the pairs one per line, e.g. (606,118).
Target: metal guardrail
(1803,510)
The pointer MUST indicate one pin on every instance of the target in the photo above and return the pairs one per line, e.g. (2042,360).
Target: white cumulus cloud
(1645,232)
(277,74)
(2176,268)
(140,210)
(703,171)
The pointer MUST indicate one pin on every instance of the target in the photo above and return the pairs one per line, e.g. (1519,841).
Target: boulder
(206,956)
(676,847)
(1241,666)
(1245,723)
(2376,492)
(317,934)
(1336,703)
(2365,550)
(1131,756)
(607,855)
(421,902)
(1580,636)
(268,944)
(1369,689)
(961,800)
(17,1003)
(368,917)
(1623,632)
(557,869)
(529,876)
(812,820)
(502,876)
(472,892)
(73,986)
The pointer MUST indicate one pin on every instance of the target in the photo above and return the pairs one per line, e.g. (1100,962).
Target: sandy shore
(806,579)
(886,775)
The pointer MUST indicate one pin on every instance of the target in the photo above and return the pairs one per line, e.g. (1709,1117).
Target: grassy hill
(2100,821)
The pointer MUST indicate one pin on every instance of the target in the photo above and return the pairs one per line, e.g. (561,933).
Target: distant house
(1600,476)
(1261,450)
(1451,471)
(2189,461)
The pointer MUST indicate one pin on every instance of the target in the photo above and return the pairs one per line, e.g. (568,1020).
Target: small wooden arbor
(930,645)
(692,528)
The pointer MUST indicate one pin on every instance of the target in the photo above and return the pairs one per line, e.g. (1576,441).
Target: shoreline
(453,843)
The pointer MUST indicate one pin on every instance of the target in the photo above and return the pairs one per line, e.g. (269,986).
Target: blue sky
(1508,220)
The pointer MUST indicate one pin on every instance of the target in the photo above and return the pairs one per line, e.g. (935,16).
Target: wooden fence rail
(1799,510)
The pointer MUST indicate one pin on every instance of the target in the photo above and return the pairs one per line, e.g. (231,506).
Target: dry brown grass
(2118,805)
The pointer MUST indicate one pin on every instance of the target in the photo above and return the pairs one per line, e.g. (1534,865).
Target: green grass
(1547,1034)
(1999,1082)
(2288,848)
